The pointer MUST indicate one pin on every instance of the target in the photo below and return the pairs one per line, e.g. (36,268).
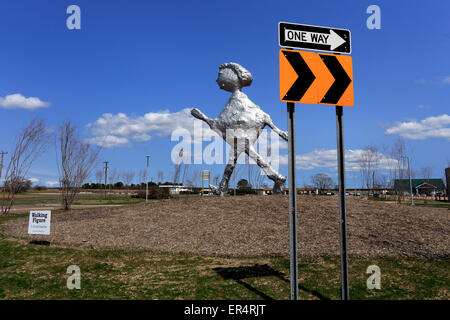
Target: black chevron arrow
(341,79)
(305,76)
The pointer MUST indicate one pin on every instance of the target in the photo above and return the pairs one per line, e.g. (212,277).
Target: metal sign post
(342,213)
(292,200)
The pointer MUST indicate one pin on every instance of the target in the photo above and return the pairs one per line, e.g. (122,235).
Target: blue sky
(139,57)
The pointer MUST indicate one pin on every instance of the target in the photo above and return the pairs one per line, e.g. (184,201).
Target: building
(307,190)
(174,189)
(420,187)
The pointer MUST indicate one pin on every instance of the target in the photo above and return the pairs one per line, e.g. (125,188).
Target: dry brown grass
(251,226)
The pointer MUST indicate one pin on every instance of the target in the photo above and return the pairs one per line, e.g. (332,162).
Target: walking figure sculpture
(240,124)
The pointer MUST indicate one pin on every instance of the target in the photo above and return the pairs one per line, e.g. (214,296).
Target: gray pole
(342,218)
(106,174)
(292,200)
(146,181)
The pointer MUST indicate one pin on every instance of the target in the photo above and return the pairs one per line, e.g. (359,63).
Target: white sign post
(39,222)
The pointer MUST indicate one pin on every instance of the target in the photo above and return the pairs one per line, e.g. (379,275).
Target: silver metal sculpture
(240,124)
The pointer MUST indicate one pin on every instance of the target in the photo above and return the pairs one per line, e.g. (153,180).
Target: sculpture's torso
(241,114)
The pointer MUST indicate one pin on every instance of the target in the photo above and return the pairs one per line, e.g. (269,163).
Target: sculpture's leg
(278,179)
(232,159)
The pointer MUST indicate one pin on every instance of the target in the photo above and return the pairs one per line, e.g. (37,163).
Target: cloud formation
(431,127)
(34,180)
(51,183)
(327,159)
(120,129)
(18,101)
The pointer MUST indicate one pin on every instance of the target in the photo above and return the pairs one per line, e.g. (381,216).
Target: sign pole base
(342,210)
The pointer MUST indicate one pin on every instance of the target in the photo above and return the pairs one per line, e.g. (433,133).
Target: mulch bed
(251,226)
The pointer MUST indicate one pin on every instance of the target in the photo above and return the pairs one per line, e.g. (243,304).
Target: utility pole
(410,181)
(106,174)
(1,166)
(146,180)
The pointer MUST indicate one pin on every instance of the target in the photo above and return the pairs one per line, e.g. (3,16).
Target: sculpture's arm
(200,115)
(282,134)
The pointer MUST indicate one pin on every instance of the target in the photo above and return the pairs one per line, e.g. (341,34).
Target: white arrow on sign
(332,39)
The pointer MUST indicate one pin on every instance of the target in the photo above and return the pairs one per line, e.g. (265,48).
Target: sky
(128,78)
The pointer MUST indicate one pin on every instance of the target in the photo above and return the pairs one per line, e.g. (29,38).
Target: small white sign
(206,175)
(39,222)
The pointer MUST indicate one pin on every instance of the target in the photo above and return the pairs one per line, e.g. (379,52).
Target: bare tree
(99,176)
(398,154)
(30,143)
(160,176)
(114,176)
(189,183)
(369,162)
(185,172)
(322,181)
(128,177)
(195,176)
(76,162)
(142,176)
(426,173)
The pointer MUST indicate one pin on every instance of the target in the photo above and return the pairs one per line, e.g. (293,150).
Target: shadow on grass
(257,271)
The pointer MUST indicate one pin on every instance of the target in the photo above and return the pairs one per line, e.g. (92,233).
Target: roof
(403,184)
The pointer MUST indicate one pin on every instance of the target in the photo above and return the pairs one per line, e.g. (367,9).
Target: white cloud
(327,159)
(51,183)
(120,129)
(109,141)
(18,101)
(420,106)
(446,80)
(431,127)
(34,180)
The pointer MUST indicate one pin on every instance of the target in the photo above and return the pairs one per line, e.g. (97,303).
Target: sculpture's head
(233,76)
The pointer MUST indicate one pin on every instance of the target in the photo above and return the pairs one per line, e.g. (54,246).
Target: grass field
(39,272)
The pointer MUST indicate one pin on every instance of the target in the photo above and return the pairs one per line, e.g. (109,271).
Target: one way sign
(291,35)
(308,77)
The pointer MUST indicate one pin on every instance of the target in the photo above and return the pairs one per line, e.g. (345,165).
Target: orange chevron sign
(308,77)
